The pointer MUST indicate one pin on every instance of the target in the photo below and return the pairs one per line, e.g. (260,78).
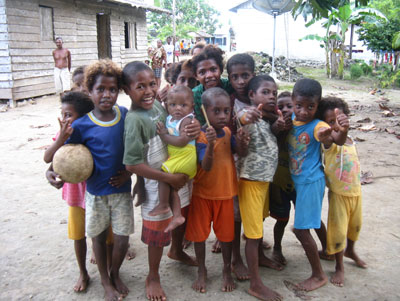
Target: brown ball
(73,163)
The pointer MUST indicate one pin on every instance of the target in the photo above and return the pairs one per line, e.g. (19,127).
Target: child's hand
(288,122)
(279,124)
(193,129)
(211,135)
(161,129)
(120,179)
(162,94)
(324,134)
(65,130)
(53,179)
(243,137)
(342,121)
(249,115)
(177,180)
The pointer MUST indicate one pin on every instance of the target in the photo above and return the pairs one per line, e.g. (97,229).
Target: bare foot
(175,222)
(325,256)
(186,243)
(130,254)
(312,283)
(110,293)
(119,286)
(266,245)
(199,285)
(338,278)
(228,283)
(264,261)
(93,259)
(216,247)
(159,209)
(154,290)
(278,257)
(262,292)
(352,255)
(82,283)
(240,270)
(183,257)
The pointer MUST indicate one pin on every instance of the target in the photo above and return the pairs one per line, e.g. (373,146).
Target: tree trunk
(351,42)
(327,64)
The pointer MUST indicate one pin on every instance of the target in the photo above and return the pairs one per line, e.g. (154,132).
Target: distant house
(90,29)
(221,37)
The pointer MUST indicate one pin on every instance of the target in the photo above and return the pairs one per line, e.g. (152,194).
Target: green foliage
(396,41)
(387,77)
(366,69)
(191,15)
(355,71)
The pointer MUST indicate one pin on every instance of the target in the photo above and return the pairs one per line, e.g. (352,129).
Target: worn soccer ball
(73,163)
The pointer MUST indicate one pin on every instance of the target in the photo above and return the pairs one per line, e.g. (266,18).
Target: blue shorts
(309,204)
(279,202)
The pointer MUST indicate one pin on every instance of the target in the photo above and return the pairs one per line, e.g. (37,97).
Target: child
(78,80)
(108,198)
(144,154)
(256,171)
(342,171)
(214,186)
(73,105)
(181,151)
(306,169)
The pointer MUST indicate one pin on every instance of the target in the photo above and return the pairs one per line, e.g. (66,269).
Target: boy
(214,186)
(342,171)
(307,173)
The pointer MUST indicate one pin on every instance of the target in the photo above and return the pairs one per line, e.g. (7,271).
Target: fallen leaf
(40,126)
(365,120)
(368,127)
(358,139)
(372,92)
(390,131)
(384,107)
(387,113)
(366,177)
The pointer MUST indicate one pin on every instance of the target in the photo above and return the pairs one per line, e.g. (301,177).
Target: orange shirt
(220,183)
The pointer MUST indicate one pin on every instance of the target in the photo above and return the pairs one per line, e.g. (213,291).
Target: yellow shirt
(342,169)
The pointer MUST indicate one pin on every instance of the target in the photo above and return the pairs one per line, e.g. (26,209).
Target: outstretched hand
(211,135)
(65,129)
(324,134)
(342,121)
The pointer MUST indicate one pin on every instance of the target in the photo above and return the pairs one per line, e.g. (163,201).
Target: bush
(355,71)
(367,69)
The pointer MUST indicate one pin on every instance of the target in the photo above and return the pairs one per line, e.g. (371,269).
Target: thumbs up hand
(279,124)
(342,121)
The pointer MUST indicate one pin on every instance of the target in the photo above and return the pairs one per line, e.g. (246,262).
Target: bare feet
(240,270)
(352,255)
(325,256)
(264,293)
(175,222)
(82,283)
(110,293)
(216,247)
(154,290)
(183,257)
(199,285)
(159,209)
(312,283)
(338,278)
(130,254)
(228,283)
(278,257)
(119,286)
(264,261)
(186,243)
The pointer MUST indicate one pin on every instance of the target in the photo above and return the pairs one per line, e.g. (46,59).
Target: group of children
(223,153)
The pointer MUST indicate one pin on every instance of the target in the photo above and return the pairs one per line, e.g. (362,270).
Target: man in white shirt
(169,49)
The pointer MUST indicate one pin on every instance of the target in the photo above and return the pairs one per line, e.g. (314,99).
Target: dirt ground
(37,260)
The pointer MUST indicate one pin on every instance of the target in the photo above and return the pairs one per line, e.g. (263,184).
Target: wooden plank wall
(5,61)
(75,21)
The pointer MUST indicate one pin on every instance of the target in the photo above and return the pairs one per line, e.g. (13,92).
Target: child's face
(219,111)
(239,77)
(142,90)
(285,105)
(68,112)
(104,93)
(208,74)
(305,107)
(330,118)
(265,95)
(186,78)
(78,83)
(179,105)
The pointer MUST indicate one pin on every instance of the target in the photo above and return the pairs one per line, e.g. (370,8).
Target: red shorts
(153,233)
(202,212)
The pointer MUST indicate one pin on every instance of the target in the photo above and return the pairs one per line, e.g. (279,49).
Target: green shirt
(198,92)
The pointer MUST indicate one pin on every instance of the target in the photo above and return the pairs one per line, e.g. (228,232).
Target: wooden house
(90,29)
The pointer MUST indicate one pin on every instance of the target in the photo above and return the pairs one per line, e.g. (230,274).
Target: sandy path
(37,260)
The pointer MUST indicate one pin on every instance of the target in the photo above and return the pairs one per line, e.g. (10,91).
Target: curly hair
(210,52)
(80,101)
(102,67)
(198,45)
(284,94)
(179,67)
(331,103)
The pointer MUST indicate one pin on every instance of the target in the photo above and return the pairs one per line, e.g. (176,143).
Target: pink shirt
(74,194)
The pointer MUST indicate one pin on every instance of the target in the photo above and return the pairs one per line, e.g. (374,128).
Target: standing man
(158,58)
(62,67)
(169,49)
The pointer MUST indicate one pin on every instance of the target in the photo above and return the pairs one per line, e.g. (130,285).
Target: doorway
(103,36)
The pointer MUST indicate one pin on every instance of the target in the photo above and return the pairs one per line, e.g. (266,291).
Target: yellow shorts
(76,225)
(344,221)
(254,206)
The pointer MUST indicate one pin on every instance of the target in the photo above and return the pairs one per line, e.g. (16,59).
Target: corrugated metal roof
(244,5)
(141,4)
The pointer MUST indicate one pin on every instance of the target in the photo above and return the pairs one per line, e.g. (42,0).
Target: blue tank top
(173,126)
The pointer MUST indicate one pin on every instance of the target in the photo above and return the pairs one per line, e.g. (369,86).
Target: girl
(73,105)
